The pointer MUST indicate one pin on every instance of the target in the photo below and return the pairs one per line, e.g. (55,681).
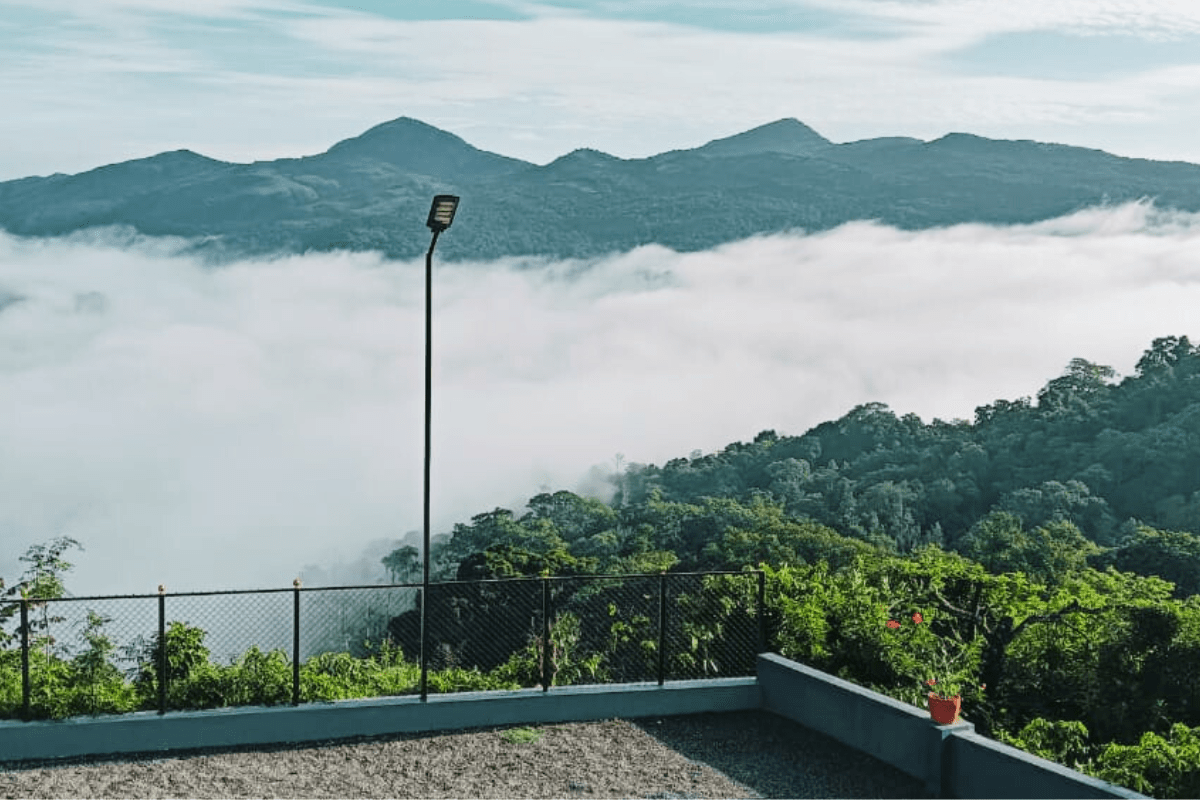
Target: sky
(85,83)
(216,429)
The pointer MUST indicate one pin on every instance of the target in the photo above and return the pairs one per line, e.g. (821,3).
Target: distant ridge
(372,192)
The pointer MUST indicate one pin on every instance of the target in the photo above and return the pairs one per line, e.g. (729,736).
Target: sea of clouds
(213,428)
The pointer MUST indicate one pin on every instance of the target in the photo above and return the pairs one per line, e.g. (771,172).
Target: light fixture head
(441,213)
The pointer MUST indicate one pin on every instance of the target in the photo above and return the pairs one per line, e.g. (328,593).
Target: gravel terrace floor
(743,754)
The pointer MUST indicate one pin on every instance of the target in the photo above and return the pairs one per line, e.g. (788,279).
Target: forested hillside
(1096,472)
(372,193)
(1072,600)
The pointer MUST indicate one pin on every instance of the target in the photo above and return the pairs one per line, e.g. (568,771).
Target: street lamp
(441,214)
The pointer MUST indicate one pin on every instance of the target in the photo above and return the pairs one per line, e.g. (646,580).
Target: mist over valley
(227,428)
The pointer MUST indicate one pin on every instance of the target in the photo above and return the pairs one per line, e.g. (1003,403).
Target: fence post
(25,688)
(425,639)
(662,623)
(296,643)
(545,634)
(162,649)
(762,621)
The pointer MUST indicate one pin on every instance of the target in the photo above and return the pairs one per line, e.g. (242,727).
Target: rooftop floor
(751,754)
(775,757)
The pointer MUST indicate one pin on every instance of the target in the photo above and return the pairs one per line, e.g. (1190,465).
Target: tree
(1046,554)
(1164,354)
(1171,555)
(403,563)
(41,581)
(1082,381)
(791,480)
(1053,501)
(779,541)
(508,561)
(574,517)
(997,542)
(492,527)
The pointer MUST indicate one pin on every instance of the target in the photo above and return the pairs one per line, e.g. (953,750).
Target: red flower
(953,683)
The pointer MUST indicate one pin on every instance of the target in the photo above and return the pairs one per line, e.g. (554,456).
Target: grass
(521,735)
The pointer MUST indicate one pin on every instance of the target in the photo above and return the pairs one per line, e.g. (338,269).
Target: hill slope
(372,192)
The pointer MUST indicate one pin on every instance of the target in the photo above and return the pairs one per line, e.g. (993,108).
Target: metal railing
(597,631)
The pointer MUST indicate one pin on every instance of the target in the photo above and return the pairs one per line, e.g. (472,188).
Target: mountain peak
(417,147)
(586,155)
(398,138)
(789,136)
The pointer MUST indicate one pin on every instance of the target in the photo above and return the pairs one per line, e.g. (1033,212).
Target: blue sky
(89,82)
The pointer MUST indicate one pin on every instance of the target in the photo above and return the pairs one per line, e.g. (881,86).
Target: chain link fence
(114,654)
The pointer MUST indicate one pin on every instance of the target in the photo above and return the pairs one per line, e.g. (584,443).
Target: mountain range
(372,192)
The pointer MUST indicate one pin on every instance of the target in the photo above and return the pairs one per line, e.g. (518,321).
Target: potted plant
(945,703)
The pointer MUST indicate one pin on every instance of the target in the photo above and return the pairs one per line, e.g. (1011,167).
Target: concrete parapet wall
(979,767)
(953,760)
(148,731)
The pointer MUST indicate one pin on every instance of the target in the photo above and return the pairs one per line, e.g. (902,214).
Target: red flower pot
(944,712)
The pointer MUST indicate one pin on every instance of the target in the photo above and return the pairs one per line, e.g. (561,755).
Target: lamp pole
(441,214)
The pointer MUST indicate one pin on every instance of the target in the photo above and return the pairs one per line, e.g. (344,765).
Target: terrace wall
(953,760)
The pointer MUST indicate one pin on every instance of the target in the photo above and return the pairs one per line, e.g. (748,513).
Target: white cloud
(1153,18)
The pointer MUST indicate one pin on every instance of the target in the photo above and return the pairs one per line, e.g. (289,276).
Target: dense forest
(1095,473)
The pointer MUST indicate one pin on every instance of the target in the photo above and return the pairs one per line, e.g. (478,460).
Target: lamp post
(441,214)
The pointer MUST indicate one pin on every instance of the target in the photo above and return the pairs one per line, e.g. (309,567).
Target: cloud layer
(224,428)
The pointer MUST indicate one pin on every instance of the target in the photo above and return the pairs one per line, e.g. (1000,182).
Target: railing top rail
(16,601)
(598,577)
(149,596)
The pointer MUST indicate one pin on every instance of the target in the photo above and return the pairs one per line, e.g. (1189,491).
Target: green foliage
(1155,766)
(1171,555)
(632,645)
(192,681)
(1064,742)
(573,517)
(258,678)
(42,580)
(521,735)
(1119,671)
(98,685)
(51,685)
(648,562)
(718,625)
(1052,501)
(509,561)
(1082,382)
(567,664)
(458,679)
(1092,453)
(1046,555)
